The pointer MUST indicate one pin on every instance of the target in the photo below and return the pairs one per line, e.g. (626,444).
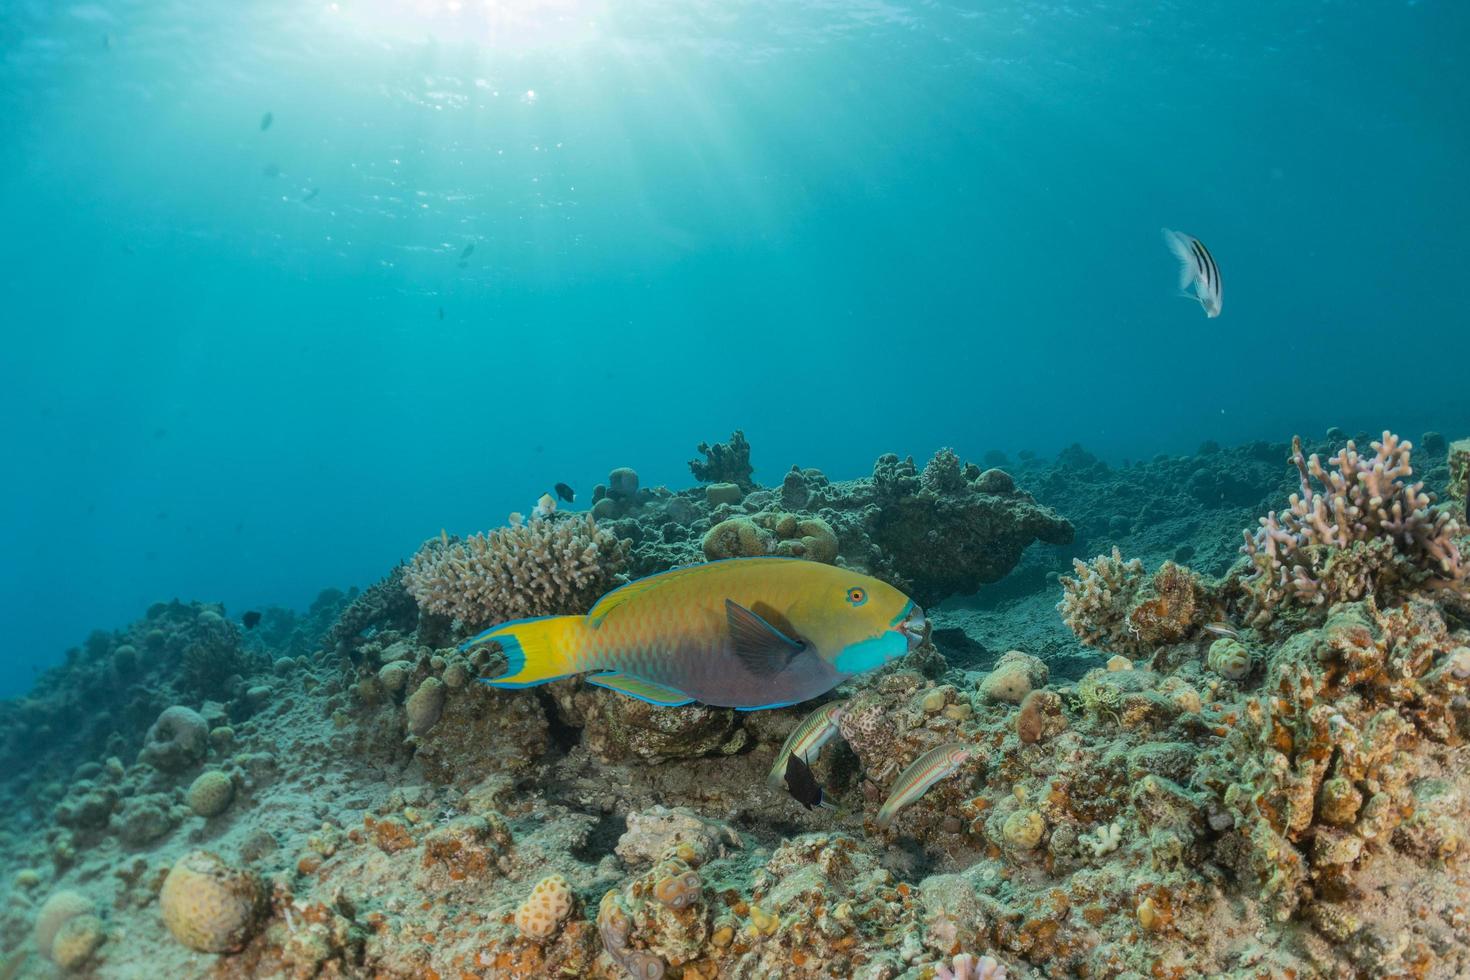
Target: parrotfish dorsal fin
(763,649)
(671,579)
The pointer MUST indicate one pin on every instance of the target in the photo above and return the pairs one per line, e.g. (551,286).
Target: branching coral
(1366,531)
(725,462)
(1095,604)
(1325,768)
(544,567)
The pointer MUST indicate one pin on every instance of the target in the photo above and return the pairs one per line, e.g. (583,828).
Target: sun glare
(515,25)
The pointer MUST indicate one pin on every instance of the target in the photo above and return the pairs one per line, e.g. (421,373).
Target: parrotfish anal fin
(763,649)
(637,687)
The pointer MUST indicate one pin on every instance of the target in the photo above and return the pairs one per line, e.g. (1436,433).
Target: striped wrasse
(807,739)
(1197,268)
(923,773)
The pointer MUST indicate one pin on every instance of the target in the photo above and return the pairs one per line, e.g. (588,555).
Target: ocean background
(245,364)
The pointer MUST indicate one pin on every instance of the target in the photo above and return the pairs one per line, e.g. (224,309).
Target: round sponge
(210,906)
(547,907)
(211,793)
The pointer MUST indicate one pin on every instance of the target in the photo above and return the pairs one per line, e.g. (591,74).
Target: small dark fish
(802,785)
(310,195)
(271,170)
(462,264)
(251,619)
(441,312)
(467,251)
(265,121)
(565,492)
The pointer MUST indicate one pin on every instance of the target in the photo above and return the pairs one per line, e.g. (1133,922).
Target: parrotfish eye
(857,595)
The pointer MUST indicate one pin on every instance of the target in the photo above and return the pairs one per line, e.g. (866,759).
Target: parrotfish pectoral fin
(763,649)
(637,687)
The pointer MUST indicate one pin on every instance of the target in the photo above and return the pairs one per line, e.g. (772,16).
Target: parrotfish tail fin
(537,651)
(1178,243)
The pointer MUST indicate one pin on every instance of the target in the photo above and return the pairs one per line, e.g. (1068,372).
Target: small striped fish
(1197,268)
(807,739)
(925,771)
(1223,629)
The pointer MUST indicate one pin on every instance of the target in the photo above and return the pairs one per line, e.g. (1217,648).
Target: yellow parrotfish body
(747,633)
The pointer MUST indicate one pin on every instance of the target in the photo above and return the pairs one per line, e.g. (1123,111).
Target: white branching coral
(1366,531)
(1096,603)
(543,567)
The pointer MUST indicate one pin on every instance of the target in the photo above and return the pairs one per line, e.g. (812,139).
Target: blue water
(847,226)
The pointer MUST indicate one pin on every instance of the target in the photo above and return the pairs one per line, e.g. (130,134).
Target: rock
(211,793)
(76,941)
(145,819)
(425,705)
(210,906)
(652,833)
(622,484)
(56,912)
(723,493)
(1014,676)
(393,676)
(1024,828)
(605,509)
(178,740)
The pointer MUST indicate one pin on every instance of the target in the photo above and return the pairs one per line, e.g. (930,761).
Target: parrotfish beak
(913,626)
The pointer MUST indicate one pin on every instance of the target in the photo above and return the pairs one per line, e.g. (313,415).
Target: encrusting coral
(538,568)
(1366,531)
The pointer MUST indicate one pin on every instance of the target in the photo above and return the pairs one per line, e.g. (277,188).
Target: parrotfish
(746,633)
(807,739)
(925,771)
(1197,268)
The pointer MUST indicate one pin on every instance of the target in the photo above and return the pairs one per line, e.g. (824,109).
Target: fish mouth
(914,627)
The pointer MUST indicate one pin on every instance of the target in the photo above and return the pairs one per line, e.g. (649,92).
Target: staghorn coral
(544,567)
(1366,531)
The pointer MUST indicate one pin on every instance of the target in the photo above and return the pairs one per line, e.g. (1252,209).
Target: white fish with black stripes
(1197,268)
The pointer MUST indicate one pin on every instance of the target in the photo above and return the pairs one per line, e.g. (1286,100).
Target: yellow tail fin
(537,650)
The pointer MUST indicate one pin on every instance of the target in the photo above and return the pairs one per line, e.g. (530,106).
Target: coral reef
(1366,531)
(725,462)
(543,567)
(1165,790)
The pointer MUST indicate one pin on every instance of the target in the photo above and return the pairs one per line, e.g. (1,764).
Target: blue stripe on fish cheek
(871,653)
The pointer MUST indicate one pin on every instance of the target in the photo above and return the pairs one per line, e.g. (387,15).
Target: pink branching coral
(1366,531)
(540,568)
(967,966)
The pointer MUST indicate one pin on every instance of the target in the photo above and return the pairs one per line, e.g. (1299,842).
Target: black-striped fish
(807,739)
(1197,268)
